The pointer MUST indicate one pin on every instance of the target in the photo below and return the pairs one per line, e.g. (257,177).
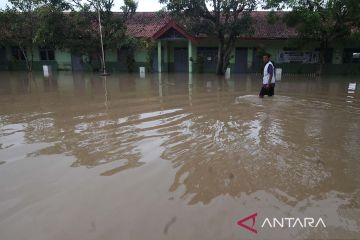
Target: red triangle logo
(242,221)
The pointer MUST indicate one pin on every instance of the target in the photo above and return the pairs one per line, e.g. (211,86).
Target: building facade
(178,51)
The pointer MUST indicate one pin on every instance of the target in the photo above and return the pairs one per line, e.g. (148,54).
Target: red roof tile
(147,24)
(265,30)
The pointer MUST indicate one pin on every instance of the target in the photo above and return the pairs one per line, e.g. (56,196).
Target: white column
(159,56)
(190,56)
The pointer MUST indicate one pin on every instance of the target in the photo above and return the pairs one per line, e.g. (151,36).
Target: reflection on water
(219,138)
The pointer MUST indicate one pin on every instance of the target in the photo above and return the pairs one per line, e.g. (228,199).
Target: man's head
(266,57)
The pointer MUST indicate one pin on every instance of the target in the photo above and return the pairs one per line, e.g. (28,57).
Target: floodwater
(177,157)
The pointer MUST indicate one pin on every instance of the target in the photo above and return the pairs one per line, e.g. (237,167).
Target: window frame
(47,55)
(17,54)
(348,55)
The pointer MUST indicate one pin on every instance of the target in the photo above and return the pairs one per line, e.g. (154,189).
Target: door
(207,59)
(155,67)
(328,54)
(77,62)
(257,61)
(155,60)
(3,58)
(241,55)
(181,60)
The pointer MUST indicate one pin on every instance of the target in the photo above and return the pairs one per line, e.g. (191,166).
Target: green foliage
(131,44)
(48,23)
(129,8)
(272,17)
(321,19)
(84,37)
(150,47)
(19,27)
(326,21)
(53,24)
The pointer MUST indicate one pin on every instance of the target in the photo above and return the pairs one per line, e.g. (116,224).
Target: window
(47,54)
(207,58)
(2,55)
(122,55)
(208,54)
(351,55)
(356,57)
(18,54)
(172,34)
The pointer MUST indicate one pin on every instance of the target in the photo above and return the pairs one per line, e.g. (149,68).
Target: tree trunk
(99,56)
(224,56)
(220,62)
(323,49)
(32,58)
(27,61)
(321,61)
(28,65)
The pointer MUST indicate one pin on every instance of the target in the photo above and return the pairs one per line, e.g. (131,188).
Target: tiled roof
(265,30)
(147,24)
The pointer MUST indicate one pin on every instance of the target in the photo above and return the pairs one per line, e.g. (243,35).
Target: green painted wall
(111,56)
(165,46)
(36,54)
(63,58)
(232,60)
(337,56)
(141,55)
(194,51)
(193,56)
(250,57)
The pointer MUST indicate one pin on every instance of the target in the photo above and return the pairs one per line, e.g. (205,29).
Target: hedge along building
(176,50)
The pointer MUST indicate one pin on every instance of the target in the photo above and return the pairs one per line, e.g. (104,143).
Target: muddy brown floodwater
(177,157)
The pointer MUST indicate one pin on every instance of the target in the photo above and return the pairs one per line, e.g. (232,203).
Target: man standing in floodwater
(268,84)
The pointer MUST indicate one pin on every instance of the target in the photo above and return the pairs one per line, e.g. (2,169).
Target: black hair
(267,54)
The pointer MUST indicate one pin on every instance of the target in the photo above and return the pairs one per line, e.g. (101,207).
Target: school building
(176,50)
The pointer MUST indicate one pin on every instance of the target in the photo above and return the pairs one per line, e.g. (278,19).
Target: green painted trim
(159,57)
(111,55)
(337,56)
(140,55)
(166,57)
(190,57)
(233,56)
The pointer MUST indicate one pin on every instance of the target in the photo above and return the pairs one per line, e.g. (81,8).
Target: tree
(53,23)
(27,24)
(325,21)
(84,36)
(224,19)
(44,23)
(19,26)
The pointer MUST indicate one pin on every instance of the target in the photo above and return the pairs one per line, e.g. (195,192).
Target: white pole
(101,39)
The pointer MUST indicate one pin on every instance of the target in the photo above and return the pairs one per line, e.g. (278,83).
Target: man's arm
(270,71)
